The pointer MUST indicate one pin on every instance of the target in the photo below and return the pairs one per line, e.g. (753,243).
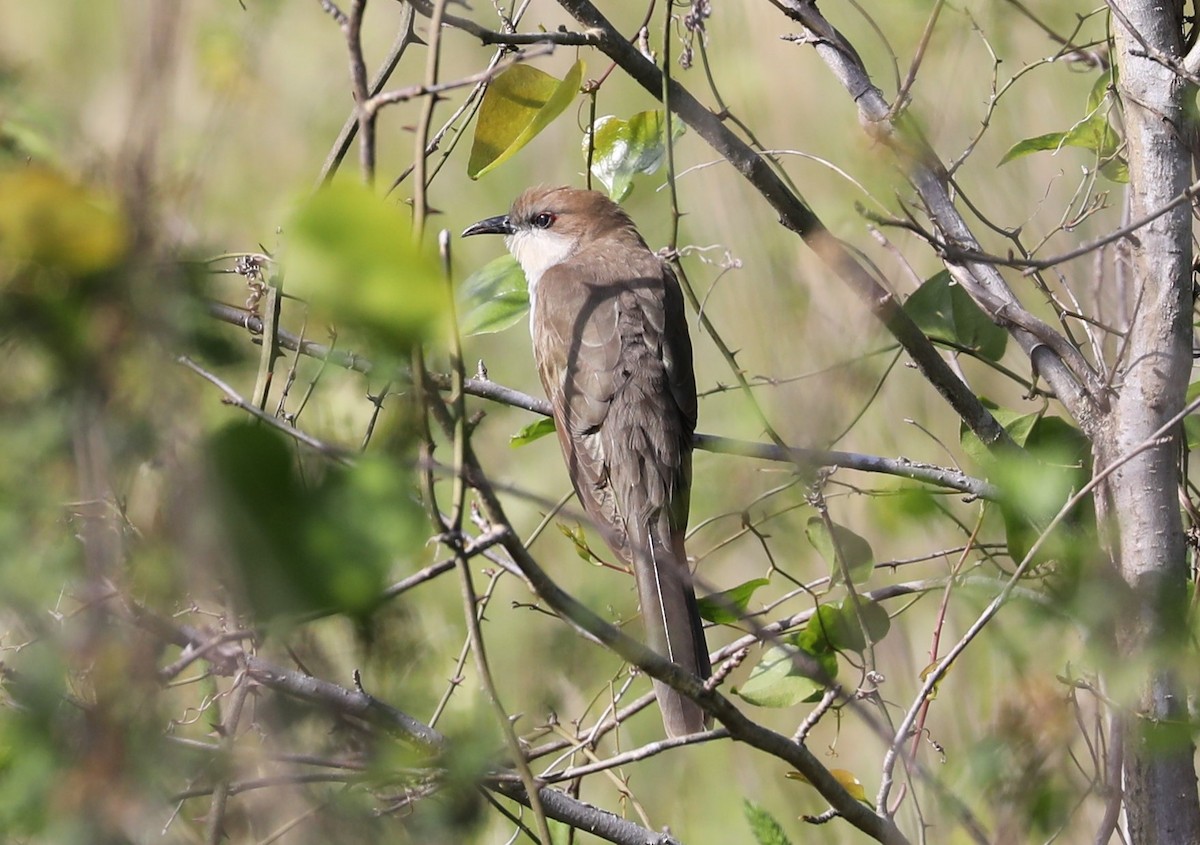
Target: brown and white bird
(611,343)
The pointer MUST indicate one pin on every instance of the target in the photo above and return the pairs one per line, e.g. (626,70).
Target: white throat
(537,250)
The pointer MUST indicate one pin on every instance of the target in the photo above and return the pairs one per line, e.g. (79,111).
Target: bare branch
(234,398)
(799,218)
(487,389)
(1075,383)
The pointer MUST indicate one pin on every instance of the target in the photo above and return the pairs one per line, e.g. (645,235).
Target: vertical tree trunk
(1160,779)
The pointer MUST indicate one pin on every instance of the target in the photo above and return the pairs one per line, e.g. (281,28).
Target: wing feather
(614,357)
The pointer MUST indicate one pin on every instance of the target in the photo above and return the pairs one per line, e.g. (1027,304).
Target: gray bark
(1148,548)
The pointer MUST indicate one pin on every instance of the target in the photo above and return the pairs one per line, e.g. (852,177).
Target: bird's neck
(537,252)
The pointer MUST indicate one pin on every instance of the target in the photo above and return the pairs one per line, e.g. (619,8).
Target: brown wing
(621,386)
(576,357)
(615,360)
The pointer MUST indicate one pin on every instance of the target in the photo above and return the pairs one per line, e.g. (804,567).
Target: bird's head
(547,226)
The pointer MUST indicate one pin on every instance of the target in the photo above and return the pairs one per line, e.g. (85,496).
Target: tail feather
(672,622)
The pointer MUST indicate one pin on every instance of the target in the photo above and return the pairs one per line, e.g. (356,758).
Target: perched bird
(611,343)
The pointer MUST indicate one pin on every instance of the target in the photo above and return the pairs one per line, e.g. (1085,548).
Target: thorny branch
(804,458)
(796,216)
(1056,357)
(1074,381)
(358,704)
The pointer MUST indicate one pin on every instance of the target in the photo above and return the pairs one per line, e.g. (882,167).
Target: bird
(611,344)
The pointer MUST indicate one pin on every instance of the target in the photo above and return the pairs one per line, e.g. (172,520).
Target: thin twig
(939,671)
(404,38)
(234,398)
(229,728)
(487,389)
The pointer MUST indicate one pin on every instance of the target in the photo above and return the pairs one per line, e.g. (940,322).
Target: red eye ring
(543,220)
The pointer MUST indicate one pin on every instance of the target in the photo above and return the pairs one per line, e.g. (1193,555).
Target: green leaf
(874,618)
(1116,170)
(495,297)
(1099,90)
(518,104)
(729,606)
(824,626)
(945,312)
(1093,133)
(534,431)
(624,148)
(308,546)
(1049,141)
(578,539)
(763,826)
(857,553)
(1017,425)
(352,257)
(777,682)
(837,624)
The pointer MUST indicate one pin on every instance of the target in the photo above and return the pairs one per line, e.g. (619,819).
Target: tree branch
(1074,381)
(359,704)
(486,389)
(662,669)
(799,218)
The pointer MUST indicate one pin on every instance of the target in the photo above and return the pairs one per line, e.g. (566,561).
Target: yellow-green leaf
(49,221)
(729,606)
(534,431)
(518,104)
(352,257)
(495,297)
(846,778)
(925,673)
(578,539)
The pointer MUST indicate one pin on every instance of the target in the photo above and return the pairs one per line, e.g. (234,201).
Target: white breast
(537,250)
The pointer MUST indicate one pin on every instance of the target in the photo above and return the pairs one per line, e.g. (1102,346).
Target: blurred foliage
(145,158)
(763,826)
(306,545)
(495,297)
(352,258)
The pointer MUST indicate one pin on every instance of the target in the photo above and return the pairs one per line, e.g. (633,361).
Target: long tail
(672,622)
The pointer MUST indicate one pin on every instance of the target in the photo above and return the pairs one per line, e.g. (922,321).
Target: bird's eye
(544,220)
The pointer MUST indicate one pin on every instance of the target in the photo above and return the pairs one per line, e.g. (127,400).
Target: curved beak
(498,225)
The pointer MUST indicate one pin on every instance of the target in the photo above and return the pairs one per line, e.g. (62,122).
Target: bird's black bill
(498,225)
